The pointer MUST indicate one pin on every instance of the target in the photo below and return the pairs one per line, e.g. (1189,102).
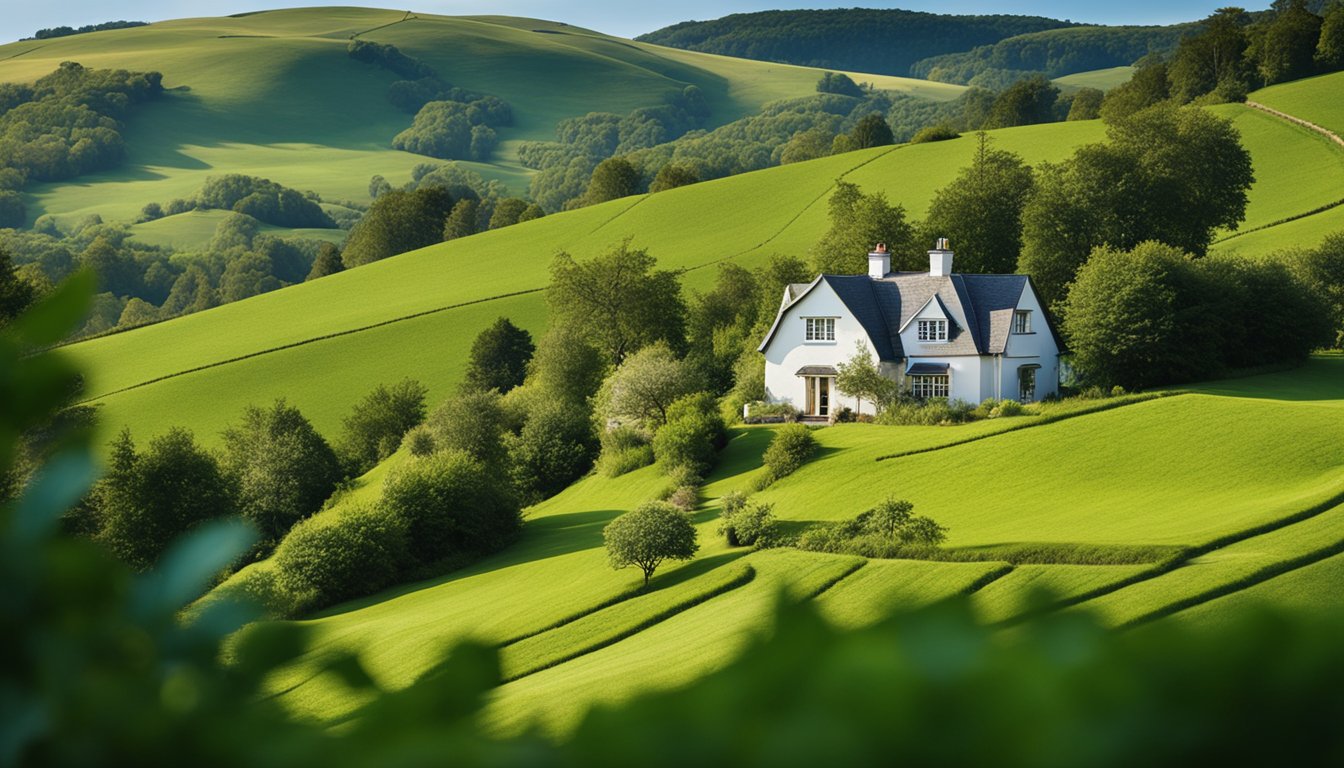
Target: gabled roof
(980,308)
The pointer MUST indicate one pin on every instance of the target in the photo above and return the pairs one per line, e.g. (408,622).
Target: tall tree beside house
(981,211)
(328,262)
(499,357)
(720,323)
(1214,58)
(618,301)
(858,222)
(1169,174)
(1284,47)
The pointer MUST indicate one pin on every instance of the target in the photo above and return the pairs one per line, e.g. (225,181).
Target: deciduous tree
(645,537)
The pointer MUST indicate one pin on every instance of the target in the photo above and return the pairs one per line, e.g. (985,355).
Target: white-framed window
(820,328)
(924,386)
(1022,321)
(932,330)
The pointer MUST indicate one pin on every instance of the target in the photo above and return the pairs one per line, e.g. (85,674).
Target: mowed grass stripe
(885,587)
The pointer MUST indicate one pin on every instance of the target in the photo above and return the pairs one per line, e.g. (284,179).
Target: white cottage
(936,333)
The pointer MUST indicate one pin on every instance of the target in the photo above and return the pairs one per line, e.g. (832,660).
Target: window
(1022,321)
(925,386)
(820,328)
(932,330)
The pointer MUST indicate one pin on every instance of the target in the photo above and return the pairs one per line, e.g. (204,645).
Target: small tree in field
(652,533)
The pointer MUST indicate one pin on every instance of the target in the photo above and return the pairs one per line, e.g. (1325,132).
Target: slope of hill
(573,634)
(1101,79)
(324,344)
(868,40)
(274,94)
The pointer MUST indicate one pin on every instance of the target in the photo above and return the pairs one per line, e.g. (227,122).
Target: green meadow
(1248,471)
(1101,79)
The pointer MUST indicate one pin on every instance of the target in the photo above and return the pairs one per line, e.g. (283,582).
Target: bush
(746,525)
(452,505)
(1006,408)
(685,498)
(930,413)
(890,529)
(554,448)
(647,536)
(789,449)
(346,553)
(374,429)
(473,422)
(940,132)
(770,413)
(624,449)
(419,441)
(693,434)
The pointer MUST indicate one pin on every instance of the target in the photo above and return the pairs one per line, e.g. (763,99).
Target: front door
(1026,384)
(818,395)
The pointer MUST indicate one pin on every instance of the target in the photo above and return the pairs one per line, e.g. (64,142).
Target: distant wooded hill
(934,46)
(856,39)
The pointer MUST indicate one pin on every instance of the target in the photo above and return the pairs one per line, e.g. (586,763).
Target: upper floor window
(1022,321)
(820,328)
(932,330)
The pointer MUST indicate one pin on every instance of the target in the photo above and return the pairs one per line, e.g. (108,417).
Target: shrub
(451,505)
(890,529)
(624,449)
(770,413)
(746,525)
(692,435)
(347,553)
(1006,408)
(647,536)
(554,448)
(789,449)
(940,132)
(473,422)
(685,498)
(419,441)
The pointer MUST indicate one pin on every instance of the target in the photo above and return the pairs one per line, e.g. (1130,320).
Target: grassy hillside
(1101,79)
(274,94)
(573,633)
(1302,98)
(324,344)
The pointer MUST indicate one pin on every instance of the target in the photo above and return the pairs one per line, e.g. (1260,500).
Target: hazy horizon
(609,16)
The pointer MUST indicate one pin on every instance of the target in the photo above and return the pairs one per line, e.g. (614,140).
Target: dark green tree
(507,212)
(1330,48)
(398,221)
(328,261)
(1025,102)
(282,468)
(858,222)
(613,178)
(554,448)
(1284,48)
(149,499)
(618,300)
(452,505)
(463,220)
(16,294)
(1150,84)
(499,357)
(839,83)
(871,131)
(981,211)
(1086,104)
(472,422)
(1212,58)
(671,176)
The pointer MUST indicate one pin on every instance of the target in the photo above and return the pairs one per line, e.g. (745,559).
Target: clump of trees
(262,199)
(64,125)
(63,31)
(1154,315)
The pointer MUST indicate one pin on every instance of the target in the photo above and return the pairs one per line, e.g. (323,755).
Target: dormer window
(819,329)
(1022,321)
(932,330)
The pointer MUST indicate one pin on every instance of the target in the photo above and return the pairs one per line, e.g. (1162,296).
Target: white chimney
(940,259)
(879,262)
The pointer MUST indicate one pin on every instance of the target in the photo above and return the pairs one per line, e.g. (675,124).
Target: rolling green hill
(274,94)
(1246,473)
(324,344)
(1101,79)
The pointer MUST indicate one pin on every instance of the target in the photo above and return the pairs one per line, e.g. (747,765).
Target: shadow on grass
(1320,379)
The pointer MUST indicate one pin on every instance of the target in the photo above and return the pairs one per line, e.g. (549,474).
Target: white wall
(1035,348)
(788,351)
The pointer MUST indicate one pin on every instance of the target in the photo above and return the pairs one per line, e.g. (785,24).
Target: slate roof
(980,308)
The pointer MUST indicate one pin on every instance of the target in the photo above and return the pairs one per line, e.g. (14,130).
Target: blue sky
(20,18)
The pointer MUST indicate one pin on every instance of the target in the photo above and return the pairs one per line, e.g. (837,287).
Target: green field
(1101,79)
(1303,98)
(274,94)
(1198,469)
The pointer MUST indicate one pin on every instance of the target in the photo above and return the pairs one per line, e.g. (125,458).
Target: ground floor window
(925,386)
(1026,383)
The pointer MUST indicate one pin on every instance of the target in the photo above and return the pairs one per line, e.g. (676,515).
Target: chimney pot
(940,259)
